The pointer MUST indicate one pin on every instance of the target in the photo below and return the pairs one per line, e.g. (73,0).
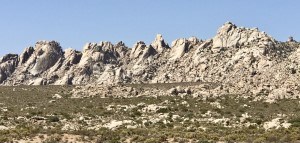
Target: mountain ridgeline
(244,58)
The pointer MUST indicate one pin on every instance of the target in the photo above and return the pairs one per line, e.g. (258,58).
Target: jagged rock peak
(140,43)
(182,46)
(88,47)
(51,44)
(137,49)
(141,52)
(45,55)
(159,43)
(179,41)
(26,55)
(103,52)
(8,57)
(72,56)
(120,43)
(229,35)
(7,66)
(194,40)
(159,37)
(227,26)
(106,45)
(42,47)
(291,39)
(45,42)
(97,47)
(179,47)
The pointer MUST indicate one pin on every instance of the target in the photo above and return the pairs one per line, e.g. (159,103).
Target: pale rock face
(66,68)
(103,52)
(91,52)
(138,70)
(38,81)
(25,55)
(46,54)
(112,53)
(179,48)
(141,52)
(72,56)
(65,80)
(229,35)
(108,75)
(138,50)
(119,75)
(295,56)
(194,41)
(94,59)
(8,64)
(159,44)
(197,58)
(182,46)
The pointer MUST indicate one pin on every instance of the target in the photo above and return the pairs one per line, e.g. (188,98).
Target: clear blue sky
(76,22)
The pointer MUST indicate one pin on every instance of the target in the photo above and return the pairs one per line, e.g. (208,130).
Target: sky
(77,22)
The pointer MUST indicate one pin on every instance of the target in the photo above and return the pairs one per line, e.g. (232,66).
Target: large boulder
(229,35)
(72,56)
(141,52)
(26,55)
(103,52)
(45,55)
(159,44)
(179,48)
(8,65)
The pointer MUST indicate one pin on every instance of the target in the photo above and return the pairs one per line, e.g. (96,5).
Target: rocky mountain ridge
(248,60)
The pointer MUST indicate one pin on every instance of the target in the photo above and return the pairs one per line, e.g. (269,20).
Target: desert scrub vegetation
(26,112)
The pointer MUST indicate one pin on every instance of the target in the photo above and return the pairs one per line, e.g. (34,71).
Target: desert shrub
(152,140)
(259,140)
(272,138)
(53,119)
(285,138)
(203,110)
(211,99)
(90,106)
(106,135)
(4,139)
(295,122)
(162,110)
(148,123)
(203,141)
(135,113)
(53,139)
(258,121)
(66,115)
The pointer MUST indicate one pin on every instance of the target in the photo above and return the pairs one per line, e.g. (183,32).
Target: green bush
(295,122)
(162,110)
(53,119)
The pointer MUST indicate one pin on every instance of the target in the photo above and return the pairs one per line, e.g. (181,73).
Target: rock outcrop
(8,64)
(229,35)
(246,60)
(159,44)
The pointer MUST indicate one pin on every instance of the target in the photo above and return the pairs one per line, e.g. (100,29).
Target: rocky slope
(243,60)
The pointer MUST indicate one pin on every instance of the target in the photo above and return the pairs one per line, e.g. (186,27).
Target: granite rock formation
(242,60)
